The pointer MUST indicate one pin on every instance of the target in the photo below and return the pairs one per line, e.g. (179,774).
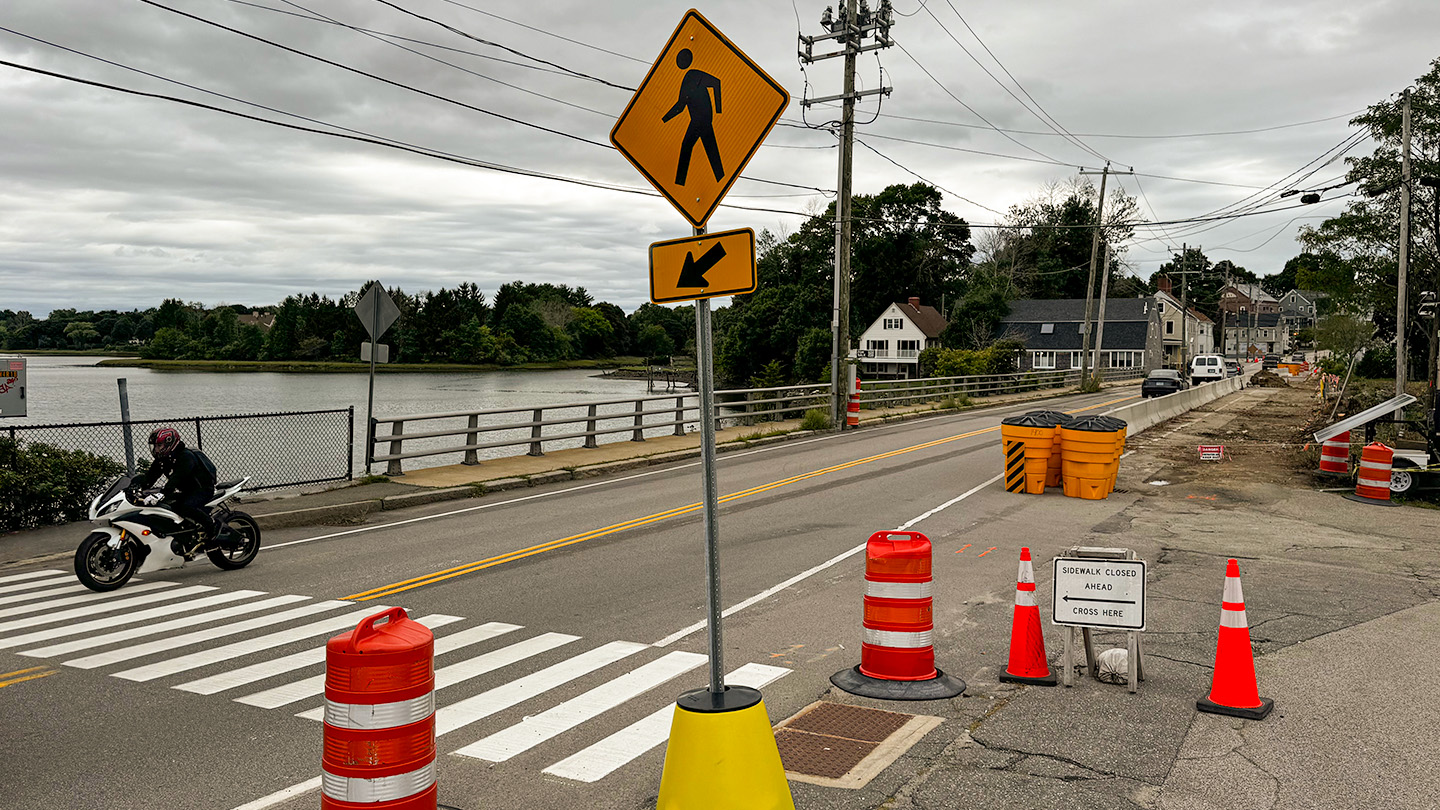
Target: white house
(891,347)
(1196,331)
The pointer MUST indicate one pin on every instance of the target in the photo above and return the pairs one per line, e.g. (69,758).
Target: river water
(76,389)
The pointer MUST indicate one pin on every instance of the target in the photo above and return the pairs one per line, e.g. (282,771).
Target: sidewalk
(352,502)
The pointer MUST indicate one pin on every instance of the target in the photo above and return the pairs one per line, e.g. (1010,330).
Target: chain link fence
(274,449)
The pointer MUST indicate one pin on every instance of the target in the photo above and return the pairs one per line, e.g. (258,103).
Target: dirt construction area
(1343,606)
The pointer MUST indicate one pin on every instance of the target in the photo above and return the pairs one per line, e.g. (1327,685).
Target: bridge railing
(471,435)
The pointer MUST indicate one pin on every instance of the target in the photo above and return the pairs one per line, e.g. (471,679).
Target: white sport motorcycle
(132,525)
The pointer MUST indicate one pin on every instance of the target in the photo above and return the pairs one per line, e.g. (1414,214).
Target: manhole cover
(840,745)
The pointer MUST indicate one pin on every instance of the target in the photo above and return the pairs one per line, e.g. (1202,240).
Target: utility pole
(1400,303)
(854,24)
(1090,284)
(1184,312)
(1100,327)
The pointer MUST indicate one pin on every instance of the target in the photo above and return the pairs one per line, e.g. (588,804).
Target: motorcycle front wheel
(242,545)
(100,567)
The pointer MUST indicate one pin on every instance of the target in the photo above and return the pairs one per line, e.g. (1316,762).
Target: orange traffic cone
(1234,691)
(1028,662)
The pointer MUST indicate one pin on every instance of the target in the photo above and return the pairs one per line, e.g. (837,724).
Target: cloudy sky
(118,201)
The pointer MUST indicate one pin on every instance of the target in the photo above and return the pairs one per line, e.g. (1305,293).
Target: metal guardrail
(586,424)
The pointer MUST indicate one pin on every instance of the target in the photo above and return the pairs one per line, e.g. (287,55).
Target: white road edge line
(606,482)
(841,557)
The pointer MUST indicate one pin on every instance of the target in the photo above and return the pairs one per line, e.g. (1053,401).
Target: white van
(1206,368)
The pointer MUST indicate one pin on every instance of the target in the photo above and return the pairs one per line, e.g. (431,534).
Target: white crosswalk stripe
(489,662)
(26,596)
(49,634)
(105,606)
(133,633)
(118,599)
(43,615)
(478,707)
(29,575)
(604,757)
(538,728)
(310,687)
(201,636)
(279,666)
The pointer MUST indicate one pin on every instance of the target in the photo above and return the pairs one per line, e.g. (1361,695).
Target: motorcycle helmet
(163,441)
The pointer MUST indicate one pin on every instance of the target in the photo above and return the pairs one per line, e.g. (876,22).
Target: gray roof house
(1051,330)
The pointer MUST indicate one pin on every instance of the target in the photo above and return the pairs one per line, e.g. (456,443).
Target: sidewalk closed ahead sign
(1099,593)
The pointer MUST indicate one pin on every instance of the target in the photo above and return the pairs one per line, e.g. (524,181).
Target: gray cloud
(116,201)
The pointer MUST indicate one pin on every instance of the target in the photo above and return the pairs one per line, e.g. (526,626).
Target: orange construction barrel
(1087,454)
(1053,477)
(1119,426)
(1028,442)
(1372,480)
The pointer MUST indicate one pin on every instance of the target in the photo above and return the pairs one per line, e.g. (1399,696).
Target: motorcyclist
(189,486)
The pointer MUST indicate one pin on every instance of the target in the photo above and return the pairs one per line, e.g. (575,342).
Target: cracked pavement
(1343,601)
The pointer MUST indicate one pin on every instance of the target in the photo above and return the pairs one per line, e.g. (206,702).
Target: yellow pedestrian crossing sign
(698,117)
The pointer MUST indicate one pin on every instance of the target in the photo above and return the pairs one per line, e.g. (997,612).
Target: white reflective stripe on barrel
(1233,618)
(1375,465)
(383,789)
(899,590)
(1024,598)
(379,715)
(893,638)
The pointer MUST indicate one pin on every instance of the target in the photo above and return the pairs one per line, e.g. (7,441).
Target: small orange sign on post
(698,117)
(705,266)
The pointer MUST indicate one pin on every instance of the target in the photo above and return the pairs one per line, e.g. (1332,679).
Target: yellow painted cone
(722,755)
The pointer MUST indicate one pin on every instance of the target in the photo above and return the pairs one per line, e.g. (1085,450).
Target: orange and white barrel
(899,625)
(852,407)
(1335,455)
(379,751)
(1372,483)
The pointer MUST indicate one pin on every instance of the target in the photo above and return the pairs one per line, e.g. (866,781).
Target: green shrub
(815,419)
(42,485)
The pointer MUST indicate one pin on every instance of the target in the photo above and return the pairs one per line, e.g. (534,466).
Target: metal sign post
(125,419)
(705,372)
(377,311)
(1099,588)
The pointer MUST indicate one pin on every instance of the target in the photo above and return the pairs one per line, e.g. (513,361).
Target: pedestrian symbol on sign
(695,98)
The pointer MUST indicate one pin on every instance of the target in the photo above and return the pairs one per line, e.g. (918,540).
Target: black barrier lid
(1095,424)
(1114,422)
(1029,420)
(1054,417)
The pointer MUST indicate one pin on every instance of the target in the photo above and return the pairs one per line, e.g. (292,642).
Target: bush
(42,485)
(815,419)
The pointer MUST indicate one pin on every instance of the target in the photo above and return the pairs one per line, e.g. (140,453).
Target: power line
(427,93)
(1051,122)
(927,180)
(546,33)
(452,29)
(971,110)
(1171,136)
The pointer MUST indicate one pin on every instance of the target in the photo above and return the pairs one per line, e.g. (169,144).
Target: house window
(893,323)
(878,348)
(1047,328)
(1042,360)
(1122,359)
(1162,307)
(1169,327)
(908,348)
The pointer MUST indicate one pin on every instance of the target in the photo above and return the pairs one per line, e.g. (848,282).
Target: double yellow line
(386,591)
(22,675)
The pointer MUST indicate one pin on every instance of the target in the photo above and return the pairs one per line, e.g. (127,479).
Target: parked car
(1271,361)
(1206,368)
(1162,381)
(1297,357)
(1232,368)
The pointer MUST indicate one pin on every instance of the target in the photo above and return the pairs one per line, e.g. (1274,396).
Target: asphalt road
(581,569)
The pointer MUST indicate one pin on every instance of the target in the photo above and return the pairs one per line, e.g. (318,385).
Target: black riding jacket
(184,474)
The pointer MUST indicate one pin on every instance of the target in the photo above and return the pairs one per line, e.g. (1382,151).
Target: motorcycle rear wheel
(102,568)
(245,543)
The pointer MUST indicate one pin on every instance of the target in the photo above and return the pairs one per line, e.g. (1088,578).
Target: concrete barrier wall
(1149,412)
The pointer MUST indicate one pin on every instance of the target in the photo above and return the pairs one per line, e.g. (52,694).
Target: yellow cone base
(722,755)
